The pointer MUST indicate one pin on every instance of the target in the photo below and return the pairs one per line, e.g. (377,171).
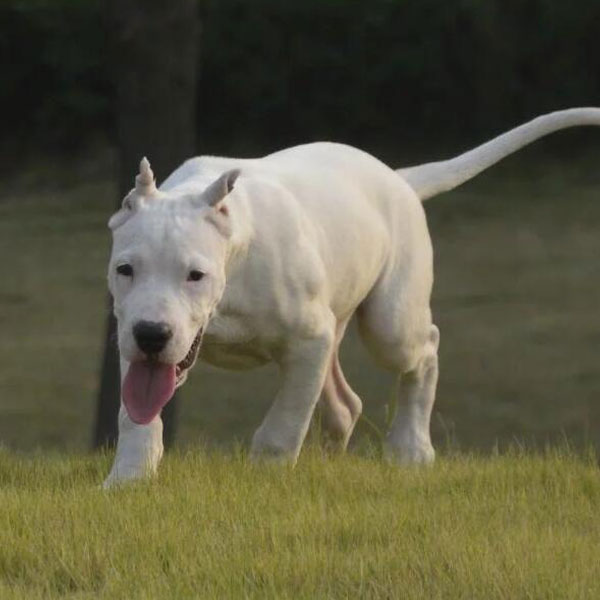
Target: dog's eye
(195,275)
(125,270)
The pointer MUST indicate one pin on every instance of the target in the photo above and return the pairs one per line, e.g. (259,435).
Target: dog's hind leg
(408,440)
(340,405)
(139,449)
(395,324)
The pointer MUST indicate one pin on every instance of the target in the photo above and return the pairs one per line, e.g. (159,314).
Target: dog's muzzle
(190,358)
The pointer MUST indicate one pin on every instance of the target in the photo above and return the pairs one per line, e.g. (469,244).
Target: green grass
(213,525)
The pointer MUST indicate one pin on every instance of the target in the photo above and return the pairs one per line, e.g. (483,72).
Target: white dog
(250,261)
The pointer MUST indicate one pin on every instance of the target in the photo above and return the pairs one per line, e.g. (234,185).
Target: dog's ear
(145,183)
(216,192)
(128,207)
(145,187)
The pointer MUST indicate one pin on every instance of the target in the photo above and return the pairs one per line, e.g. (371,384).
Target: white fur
(308,237)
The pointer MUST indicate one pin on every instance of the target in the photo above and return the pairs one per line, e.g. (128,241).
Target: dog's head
(166,275)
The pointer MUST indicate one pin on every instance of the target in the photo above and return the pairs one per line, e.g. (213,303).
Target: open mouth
(150,384)
(189,360)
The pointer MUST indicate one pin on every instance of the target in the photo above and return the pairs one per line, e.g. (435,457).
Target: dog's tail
(434,178)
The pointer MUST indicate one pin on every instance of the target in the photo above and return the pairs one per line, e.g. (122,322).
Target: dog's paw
(268,449)
(272,455)
(120,476)
(410,452)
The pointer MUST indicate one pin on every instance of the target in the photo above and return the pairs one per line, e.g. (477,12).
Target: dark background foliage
(379,74)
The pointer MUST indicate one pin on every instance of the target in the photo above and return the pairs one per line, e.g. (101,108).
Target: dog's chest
(230,343)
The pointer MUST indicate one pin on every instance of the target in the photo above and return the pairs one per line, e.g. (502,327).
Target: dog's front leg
(303,367)
(139,448)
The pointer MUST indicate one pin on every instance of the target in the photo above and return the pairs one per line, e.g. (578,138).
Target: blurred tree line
(378,73)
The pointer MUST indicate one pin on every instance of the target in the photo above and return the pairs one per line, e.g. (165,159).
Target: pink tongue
(146,389)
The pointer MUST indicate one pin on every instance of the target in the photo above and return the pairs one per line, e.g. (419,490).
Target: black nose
(151,337)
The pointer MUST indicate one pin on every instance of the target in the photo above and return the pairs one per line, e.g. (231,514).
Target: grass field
(517,299)
(215,526)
